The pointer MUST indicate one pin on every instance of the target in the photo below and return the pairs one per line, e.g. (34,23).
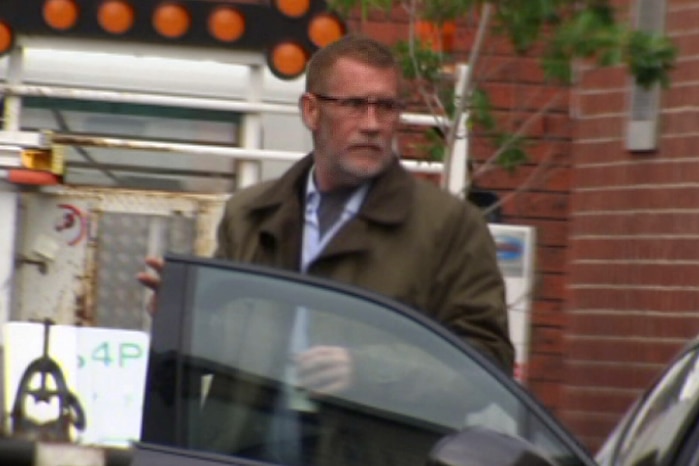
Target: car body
(661,429)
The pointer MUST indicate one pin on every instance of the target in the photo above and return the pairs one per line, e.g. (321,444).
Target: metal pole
(170,100)
(9,197)
(13,102)
(167,147)
(457,183)
(249,172)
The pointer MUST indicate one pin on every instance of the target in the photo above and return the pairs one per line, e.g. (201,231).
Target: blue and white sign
(516,246)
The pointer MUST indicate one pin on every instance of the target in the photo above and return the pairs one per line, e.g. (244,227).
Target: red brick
(539,178)
(587,399)
(657,274)
(532,124)
(603,127)
(687,42)
(638,299)
(463,41)
(604,78)
(685,72)
(548,286)
(498,45)
(680,196)
(386,32)
(546,340)
(601,103)
(682,19)
(680,96)
(590,151)
(637,223)
(522,70)
(683,249)
(551,260)
(537,205)
(549,232)
(548,313)
(617,373)
(590,429)
(625,356)
(550,151)
(682,146)
(527,97)
(544,367)
(642,172)
(547,393)
(684,121)
(632,323)
(396,14)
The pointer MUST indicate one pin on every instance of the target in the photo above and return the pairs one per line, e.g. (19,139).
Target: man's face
(353,120)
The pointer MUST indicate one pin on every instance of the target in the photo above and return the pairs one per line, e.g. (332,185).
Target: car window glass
(665,414)
(410,385)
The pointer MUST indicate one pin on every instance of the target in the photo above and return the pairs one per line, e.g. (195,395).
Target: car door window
(411,382)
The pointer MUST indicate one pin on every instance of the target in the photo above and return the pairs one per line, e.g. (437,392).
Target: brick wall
(633,279)
(535,194)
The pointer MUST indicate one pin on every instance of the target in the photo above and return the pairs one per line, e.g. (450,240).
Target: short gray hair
(355,46)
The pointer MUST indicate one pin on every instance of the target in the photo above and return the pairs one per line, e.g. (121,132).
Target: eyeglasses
(358,106)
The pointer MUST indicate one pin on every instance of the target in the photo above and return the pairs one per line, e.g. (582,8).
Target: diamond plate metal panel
(79,249)
(124,240)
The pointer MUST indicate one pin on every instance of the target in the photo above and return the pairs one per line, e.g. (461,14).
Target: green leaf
(344,7)
(421,61)
(440,11)
(512,153)
(650,57)
(482,110)
(511,158)
(434,148)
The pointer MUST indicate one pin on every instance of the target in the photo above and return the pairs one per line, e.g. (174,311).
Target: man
(388,232)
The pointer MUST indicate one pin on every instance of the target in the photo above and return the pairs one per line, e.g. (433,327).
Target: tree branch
(486,12)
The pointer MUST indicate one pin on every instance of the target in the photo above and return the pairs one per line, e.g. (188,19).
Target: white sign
(516,246)
(104,368)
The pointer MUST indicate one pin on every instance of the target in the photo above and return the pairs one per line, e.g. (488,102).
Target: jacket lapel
(279,210)
(387,204)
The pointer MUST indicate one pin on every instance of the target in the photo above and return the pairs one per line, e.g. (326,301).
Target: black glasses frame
(385,106)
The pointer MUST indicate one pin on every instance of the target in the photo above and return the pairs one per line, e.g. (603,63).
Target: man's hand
(151,279)
(325,370)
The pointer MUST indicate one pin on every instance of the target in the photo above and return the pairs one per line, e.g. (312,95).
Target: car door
(221,379)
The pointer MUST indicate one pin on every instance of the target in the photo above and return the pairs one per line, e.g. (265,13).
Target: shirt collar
(353,204)
(387,200)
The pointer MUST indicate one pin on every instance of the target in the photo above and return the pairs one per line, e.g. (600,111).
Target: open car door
(221,380)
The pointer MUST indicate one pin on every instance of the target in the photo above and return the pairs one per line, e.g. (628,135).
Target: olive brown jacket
(410,241)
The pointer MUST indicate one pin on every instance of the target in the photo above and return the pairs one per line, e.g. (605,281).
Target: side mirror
(483,447)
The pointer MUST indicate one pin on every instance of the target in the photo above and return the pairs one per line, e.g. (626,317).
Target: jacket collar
(387,202)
